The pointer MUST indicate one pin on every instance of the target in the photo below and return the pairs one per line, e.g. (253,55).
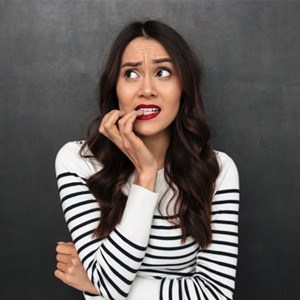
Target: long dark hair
(191,166)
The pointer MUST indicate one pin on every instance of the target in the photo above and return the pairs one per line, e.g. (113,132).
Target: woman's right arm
(113,262)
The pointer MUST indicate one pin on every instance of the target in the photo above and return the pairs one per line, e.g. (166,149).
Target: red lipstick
(150,111)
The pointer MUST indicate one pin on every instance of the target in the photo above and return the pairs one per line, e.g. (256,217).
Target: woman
(168,202)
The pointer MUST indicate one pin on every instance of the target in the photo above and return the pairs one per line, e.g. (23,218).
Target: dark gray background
(50,59)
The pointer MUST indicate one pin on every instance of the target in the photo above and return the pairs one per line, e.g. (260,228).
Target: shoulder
(72,158)
(225,161)
(228,177)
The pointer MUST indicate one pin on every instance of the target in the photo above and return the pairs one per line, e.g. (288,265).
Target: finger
(109,121)
(66,249)
(64,258)
(126,129)
(62,267)
(75,261)
(65,278)
(110,129)
(66,243)
(60,275)
(128,119)
(111,113)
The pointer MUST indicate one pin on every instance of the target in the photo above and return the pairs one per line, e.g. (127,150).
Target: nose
(147,88)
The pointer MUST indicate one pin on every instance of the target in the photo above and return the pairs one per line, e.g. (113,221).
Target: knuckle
(75,261)
(101,129)
(126,145)
(74,252)
(127,131)
(71,270)
(106,127)
(121,122)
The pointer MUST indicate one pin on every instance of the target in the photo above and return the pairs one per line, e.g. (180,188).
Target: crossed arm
(70,270)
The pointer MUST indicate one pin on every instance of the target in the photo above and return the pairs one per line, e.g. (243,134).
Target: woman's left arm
(214,278)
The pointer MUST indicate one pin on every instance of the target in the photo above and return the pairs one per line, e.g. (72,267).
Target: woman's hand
(118,127)
(70,269)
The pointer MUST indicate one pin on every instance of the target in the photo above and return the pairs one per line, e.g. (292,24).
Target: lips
(150,111)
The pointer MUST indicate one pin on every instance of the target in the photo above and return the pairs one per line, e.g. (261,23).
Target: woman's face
(148,81)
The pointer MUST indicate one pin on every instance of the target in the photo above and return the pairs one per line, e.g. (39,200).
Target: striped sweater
(143,257)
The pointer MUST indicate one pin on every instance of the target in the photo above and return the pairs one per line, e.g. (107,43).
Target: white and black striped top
(143,258)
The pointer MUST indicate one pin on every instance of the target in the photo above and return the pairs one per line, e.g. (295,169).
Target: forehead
(140,47)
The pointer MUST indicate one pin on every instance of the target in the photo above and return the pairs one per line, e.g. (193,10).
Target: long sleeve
(143,258)
(113,262)
(215,270)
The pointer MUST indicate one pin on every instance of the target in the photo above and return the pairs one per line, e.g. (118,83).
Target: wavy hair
(191,166)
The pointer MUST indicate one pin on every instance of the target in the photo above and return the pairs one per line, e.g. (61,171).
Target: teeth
(149,111)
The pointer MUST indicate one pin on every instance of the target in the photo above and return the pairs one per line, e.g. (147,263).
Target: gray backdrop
(50,59)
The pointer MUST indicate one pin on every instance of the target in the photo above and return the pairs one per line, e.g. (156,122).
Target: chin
(145,133)
(150,131)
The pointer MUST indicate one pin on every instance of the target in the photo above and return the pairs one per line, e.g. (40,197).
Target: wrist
(91,290)
(146,179)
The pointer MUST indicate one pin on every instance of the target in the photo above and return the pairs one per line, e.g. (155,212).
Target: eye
(164,73)
(131,74)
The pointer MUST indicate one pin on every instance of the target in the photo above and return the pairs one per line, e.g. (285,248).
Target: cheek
(121,96)
(173,109)
(178,100)
(123,105)
(125,99)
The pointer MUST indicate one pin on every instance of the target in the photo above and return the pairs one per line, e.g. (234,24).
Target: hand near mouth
(118,127)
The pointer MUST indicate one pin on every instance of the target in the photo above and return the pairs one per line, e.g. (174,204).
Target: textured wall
(50,57)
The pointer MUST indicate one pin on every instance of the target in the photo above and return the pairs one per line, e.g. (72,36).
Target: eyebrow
(155,61)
